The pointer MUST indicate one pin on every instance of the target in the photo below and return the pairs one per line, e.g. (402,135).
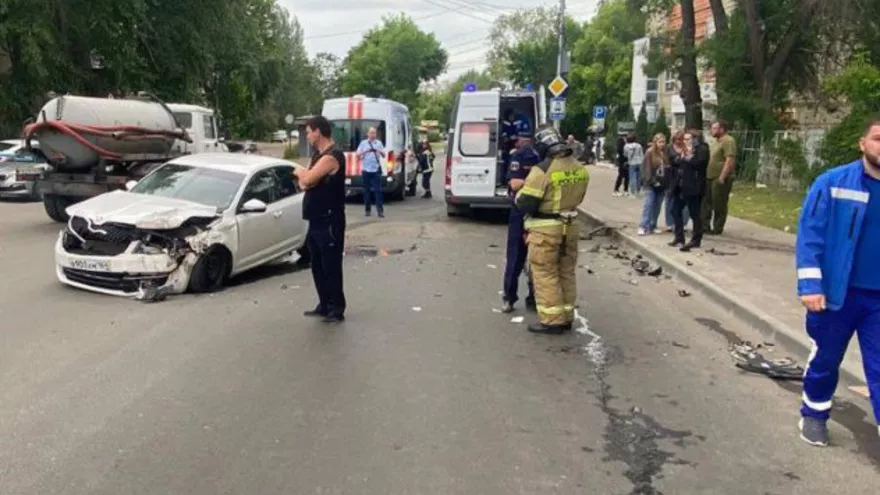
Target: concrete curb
(773,330)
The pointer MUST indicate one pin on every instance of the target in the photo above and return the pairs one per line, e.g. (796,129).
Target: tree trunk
(775,64)
(687,73)
(719,15)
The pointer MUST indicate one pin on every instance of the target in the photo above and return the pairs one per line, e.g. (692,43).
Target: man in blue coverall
(521,162)
(839,280)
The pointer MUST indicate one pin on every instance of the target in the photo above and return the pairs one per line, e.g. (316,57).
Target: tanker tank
(76,132)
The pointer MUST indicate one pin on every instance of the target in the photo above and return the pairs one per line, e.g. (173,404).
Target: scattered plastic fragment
(517,319)
(748,358)
(492,267)
(684,293)
(416,309)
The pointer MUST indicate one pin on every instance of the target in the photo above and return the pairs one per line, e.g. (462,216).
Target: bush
(841,144)
(291,152)
(434,136)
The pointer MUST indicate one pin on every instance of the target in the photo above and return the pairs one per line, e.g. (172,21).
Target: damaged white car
(188,225)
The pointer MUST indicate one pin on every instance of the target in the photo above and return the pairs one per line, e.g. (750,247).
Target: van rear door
(475,144)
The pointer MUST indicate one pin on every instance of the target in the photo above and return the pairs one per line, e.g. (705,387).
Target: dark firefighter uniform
(550,196)
(521,162)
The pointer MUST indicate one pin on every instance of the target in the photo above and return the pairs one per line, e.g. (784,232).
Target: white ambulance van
(474,168)
(352,117)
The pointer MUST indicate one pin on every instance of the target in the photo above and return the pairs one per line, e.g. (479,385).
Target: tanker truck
(96,145)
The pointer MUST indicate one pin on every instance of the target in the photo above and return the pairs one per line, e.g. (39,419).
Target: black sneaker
(813,431)
(381,214)
(531,305)
(506,306)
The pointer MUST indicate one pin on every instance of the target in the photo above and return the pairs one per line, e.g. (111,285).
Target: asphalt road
(424,389)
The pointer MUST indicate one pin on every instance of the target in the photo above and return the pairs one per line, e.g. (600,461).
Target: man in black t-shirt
(324,208)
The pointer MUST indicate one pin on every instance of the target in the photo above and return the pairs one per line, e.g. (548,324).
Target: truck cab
(201,125)
(475,170)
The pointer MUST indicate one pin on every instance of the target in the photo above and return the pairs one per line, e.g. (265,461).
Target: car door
(290,201)
(261,236)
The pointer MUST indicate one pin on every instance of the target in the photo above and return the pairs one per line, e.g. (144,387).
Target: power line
(439,4)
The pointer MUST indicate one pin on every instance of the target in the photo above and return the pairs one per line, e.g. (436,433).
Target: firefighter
(549,198)
(522,160)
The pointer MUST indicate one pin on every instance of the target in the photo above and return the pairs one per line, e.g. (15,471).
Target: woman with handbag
(655,170)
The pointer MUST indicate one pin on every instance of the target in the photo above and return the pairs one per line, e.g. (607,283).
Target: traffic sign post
(557,109)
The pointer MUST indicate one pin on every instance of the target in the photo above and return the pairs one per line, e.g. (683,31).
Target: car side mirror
(254,206)
(130,185)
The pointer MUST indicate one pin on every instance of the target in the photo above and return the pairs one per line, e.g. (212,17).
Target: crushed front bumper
(125,274)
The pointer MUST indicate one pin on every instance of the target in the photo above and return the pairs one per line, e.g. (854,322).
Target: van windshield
(348,134)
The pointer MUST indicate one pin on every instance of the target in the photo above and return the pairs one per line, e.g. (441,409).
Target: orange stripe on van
(350,108)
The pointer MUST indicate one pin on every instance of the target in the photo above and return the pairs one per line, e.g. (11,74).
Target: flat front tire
(210,271)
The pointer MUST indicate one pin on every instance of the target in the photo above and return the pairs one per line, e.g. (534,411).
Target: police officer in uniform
(549,198)
(324,208)
(521,162)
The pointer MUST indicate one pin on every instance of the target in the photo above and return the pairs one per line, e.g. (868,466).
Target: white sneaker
(642,231)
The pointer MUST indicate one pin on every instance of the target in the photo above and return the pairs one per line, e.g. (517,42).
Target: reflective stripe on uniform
(531,191)
(533,223)
(551,310)
(849,194)
(809,273)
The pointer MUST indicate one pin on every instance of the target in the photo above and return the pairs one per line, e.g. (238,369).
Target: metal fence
(757,160)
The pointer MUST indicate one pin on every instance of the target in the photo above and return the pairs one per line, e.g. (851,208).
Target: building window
(679,121)
(669,81)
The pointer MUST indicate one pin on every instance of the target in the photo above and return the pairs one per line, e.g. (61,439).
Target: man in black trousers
(324,208)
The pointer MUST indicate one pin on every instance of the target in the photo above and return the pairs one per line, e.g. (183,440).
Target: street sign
(557,86)
(289,119)
(470,87)
(600,112)
(557,109)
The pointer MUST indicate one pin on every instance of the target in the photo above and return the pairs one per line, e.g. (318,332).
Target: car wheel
(209,273)
(55,206)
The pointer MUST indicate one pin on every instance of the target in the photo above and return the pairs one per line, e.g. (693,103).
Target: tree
(661,126)
(329,69)
(642,127)
(437,105)
(601,71)
(239,59)
(522,25)
(392,60)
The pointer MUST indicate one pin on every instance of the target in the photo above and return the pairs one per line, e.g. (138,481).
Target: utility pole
(561,54)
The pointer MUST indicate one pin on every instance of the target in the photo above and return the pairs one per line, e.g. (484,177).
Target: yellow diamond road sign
(557,86)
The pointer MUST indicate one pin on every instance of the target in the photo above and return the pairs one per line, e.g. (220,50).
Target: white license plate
(348,181)
(472,179)
(90,265)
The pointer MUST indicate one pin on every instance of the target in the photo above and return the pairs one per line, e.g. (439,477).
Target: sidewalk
(757,284)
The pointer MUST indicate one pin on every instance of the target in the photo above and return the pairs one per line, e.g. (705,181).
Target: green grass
(770,207)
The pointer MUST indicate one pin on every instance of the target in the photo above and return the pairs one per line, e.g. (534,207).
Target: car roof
(234,162)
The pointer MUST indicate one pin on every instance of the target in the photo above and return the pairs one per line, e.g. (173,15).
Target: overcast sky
(461,26)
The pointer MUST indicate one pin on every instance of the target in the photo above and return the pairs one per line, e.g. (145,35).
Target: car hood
(141,210)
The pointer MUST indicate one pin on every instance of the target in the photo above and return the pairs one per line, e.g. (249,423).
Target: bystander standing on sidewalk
(838,280)
(689,189)
(622,169)
(676,151)
(720,174)
(654,174)
(635,155)
(426,166)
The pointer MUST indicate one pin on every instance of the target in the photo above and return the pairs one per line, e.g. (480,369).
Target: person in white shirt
(371,151)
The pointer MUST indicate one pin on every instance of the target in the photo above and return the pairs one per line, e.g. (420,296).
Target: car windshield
(207,186)
(5,146)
